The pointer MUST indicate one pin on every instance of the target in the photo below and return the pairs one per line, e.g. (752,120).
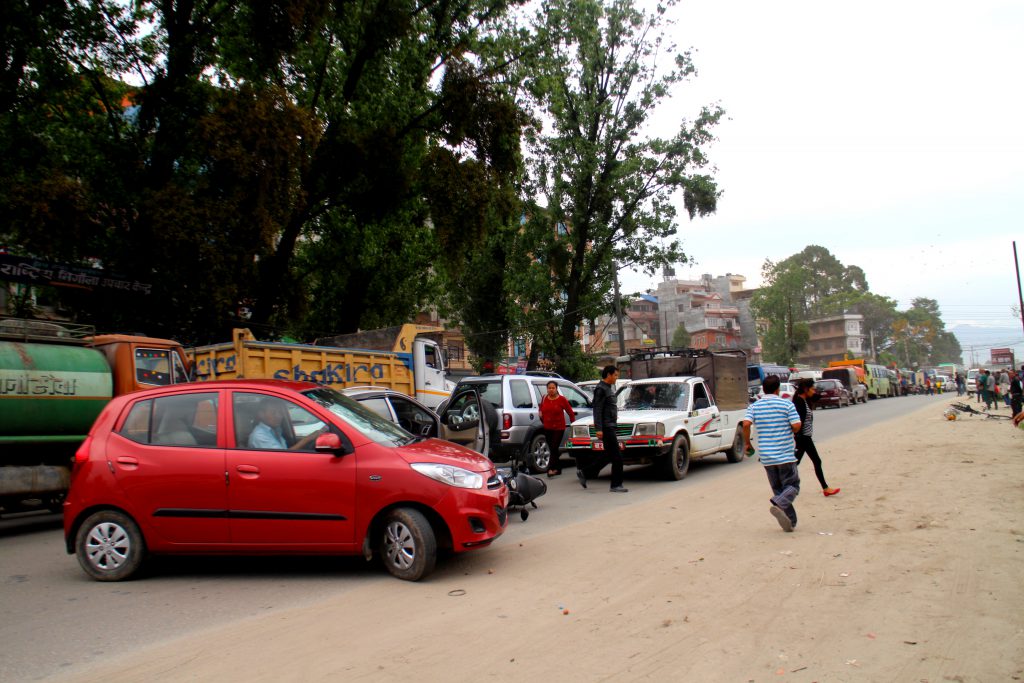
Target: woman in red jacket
(553,408)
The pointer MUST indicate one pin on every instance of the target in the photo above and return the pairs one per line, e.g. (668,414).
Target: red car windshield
(371,424)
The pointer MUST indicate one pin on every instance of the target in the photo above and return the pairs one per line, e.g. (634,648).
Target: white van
(971,383)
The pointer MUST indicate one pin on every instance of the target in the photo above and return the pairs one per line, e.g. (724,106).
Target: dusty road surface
(913,573)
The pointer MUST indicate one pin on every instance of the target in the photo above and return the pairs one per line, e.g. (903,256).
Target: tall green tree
(810,284)
(594,72)
(920,338)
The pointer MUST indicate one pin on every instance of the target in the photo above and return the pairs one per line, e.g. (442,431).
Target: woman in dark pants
(804,438)
(553,408)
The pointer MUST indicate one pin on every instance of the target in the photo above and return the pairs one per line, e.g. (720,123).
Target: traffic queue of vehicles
(361,446)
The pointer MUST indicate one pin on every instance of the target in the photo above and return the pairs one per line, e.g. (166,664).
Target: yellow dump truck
(402,358)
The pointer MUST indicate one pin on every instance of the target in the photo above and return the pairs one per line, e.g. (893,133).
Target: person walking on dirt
(990,390)
(553,408)
(1016,394)
(606,415)
(805,395)
(777,421)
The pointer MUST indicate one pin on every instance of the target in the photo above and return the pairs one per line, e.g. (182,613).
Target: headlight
(649,429)
(581,431)
(449,474)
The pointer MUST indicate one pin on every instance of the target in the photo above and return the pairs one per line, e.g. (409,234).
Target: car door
(707,428)
(581,404)
(282,497)
(464,420)
(414,417)
(168,458)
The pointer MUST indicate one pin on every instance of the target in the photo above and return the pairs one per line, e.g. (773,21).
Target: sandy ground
(912,573)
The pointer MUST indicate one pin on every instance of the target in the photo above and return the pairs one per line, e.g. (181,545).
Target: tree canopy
(813,284)
(307,160)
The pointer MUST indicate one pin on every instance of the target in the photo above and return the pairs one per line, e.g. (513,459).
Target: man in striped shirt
(777,421)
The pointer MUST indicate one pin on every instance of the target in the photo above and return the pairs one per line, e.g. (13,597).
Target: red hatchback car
(269,467)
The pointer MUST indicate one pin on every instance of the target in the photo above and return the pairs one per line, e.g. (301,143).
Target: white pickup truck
(671,420)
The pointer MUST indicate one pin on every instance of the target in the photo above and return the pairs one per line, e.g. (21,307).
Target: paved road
(55,617)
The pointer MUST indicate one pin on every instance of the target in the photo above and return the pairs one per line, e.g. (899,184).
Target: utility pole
(1020,299)
(618,310)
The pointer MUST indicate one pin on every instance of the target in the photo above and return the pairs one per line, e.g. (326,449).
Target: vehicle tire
(538,458)
(110,546)
(408,546)
(677,463)
(735,454)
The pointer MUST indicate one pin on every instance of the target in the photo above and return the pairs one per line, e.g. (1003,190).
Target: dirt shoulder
(912,573)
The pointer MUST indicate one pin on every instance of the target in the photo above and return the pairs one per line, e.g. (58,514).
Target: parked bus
(757,373)
(875,376)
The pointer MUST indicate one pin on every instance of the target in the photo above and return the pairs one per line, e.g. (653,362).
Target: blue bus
(757,373)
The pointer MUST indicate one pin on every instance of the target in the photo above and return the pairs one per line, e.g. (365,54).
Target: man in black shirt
(606,415)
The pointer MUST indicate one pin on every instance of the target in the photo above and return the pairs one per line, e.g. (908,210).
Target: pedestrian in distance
(777,421)
(991,399)
(606,415)
(805,396)
(553,408)
(1016,394)
(928,385)
(1004,387)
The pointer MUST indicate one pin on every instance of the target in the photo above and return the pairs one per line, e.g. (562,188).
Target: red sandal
(830,492)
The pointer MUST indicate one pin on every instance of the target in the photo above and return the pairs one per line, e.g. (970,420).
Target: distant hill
(980,339)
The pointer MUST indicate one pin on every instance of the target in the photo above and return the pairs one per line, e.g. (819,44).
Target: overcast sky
(891,133)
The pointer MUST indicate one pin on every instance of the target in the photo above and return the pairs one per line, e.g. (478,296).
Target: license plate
(598,445)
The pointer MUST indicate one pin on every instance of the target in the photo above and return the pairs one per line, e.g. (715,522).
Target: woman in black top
(804,438)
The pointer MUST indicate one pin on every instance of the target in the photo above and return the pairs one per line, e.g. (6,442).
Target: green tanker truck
(55,379)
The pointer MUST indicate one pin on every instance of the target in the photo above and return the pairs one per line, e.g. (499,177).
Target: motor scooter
(523,489)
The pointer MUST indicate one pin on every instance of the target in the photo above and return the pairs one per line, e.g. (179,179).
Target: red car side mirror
(330,443)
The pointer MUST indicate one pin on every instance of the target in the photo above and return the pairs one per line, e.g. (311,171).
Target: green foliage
(295,156)
(596,72)
(808,285)
(920,338)
(680,338)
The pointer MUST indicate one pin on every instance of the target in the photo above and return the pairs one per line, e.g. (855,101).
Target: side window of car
(412,418)
(153,366)
(379,406)
(701,400)
(520,393)
(136,425)
(184,420)
(576,398)
(269,423)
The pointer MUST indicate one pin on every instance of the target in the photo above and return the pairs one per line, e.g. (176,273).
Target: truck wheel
(735,454)
(538,458)
(110,546)
(407,545)
(677,463)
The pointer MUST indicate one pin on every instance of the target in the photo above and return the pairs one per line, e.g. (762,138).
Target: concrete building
(832,337)
(714,310)
(641,326)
